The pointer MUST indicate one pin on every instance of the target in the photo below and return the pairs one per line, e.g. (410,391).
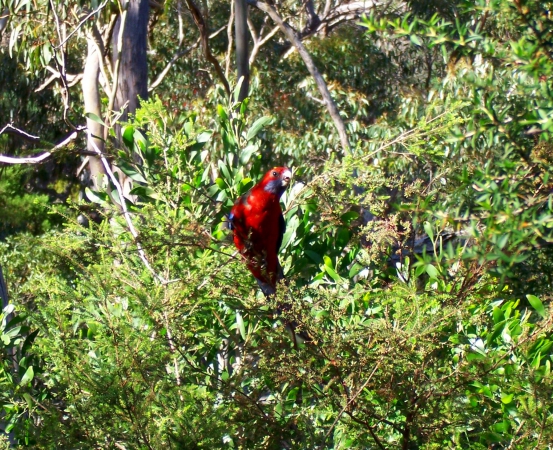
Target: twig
(72,80)
(95,37)
(295,40)
(9,128)
(260,42)
(170,64)
(202,28)
(39,158)
(351,400)
(179,54)
(230,35)
(126,214)
(81,23)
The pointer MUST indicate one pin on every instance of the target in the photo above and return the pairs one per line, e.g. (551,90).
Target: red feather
(258,226)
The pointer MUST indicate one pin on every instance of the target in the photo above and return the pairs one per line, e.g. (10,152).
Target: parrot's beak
(286,177)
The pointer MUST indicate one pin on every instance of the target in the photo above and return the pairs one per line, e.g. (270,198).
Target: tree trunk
(132,79)
(242,59)
(130,42)
(91,97)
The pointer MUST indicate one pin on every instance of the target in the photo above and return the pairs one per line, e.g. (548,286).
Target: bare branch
(4,17)
(72,80)
(107,32)
(313,19)
(33,159)
(115,81)
(126,214)
(351,400)
(81,23)
(311,67)
(170,64)
(258,43)
(178,55)
(251,27)
(202,27)
(230,35)
(9,128)
(92,104)
(95,38)
(181,23)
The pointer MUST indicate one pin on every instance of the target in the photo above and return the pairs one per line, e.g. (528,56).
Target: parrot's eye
(275,174)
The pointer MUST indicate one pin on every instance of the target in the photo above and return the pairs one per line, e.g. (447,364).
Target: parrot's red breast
(259,226)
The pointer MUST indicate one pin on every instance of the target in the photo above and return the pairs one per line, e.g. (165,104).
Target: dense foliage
(419,263)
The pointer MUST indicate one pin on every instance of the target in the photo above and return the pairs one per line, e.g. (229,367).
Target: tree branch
(81,23)
(170,64)
(126,214)
(351,400)
(179,54)
(259,41)
(309,63)
(202,28)
(33,159)
(230,35)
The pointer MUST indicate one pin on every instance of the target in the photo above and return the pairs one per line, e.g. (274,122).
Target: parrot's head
(277,180)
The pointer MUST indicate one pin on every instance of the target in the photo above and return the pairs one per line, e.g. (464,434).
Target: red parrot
(258,224)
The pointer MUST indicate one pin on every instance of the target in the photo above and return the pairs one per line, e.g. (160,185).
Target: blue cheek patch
(274,187)
(230,218)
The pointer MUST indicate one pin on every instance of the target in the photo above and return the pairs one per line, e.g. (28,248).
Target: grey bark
(132,76)
(132,82)
(313,20)
(311,67)
(242,59)
(91,97)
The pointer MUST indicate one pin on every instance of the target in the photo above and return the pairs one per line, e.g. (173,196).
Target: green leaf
(349,217)
(314,256)
(415,40)
(28,377)
(236,92)
(222,113)
(95,196)
(95,118)
(473,356)
(506,398)
(428,230)
(127,133)
(432,271)
(342,237)
(142,143)
(291,228)
(203,137)
(329,269)
(131,171)
(537,305)
(502,427)
(8,309)
(257,126)
(246,154)
(145,193)
(241,326)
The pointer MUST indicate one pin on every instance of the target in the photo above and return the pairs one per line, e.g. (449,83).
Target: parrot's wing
(281,231)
